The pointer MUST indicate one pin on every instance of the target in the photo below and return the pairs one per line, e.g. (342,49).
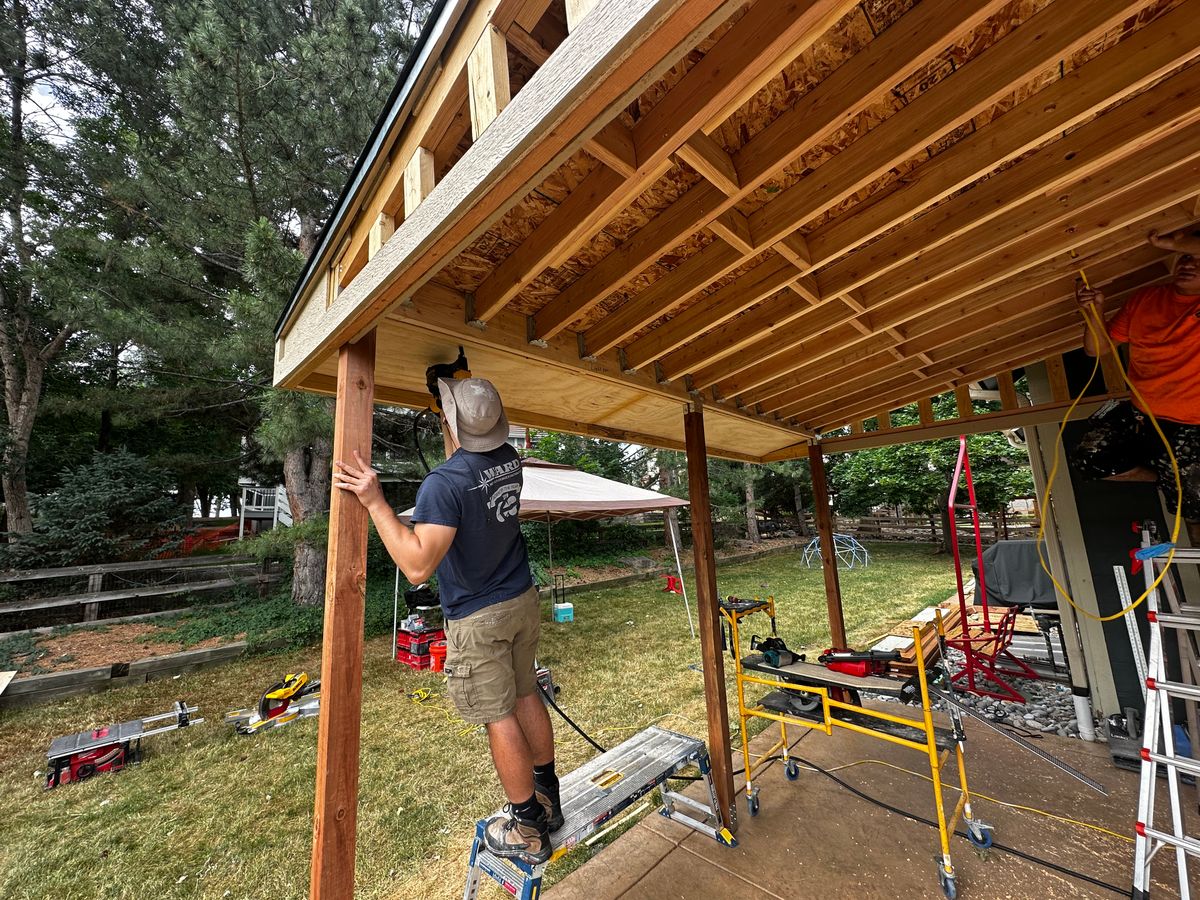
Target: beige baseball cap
(474,413)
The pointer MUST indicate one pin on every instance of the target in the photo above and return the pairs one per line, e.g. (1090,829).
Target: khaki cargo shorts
(489,658)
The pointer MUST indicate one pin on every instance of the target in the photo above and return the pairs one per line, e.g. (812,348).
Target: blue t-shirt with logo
(480,495)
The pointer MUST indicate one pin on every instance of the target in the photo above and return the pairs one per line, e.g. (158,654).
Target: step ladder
(602,788)
(1158,736)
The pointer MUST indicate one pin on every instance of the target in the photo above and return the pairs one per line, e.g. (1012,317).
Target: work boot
(548,797)
(529,839)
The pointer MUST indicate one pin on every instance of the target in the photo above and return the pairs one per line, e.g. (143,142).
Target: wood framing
(336,812)
(488,87)
(418,180)
(708,613)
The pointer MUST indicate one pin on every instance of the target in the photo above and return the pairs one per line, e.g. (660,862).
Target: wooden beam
(612,57)
(1124,131)
(438,309)
(380,232)
(883,420)
(925,410)
(1110,370)
(1031,292)
(336,810)
(823,514)
(613,146)
(527,45)
(1021,54)
(962,399)
(1146,205)
(976,424)
(488,86)
(1121,71)
(1139,186)
(865,76)
(719,306)
(1056,374)
(418,180)
(576,10)
(1008,390)
(709,615)
(734,229)
(712,161)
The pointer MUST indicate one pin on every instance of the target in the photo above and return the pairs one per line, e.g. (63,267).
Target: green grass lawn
(211,814)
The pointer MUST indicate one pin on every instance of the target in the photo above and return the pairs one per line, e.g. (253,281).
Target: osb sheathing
(854,32)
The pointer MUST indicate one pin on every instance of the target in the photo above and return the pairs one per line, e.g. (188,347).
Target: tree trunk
(752,534)
(307,473)
(933,537)
(16,500)
(948,521)
(798,499)
(666,479)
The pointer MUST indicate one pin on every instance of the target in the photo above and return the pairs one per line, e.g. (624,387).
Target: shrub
(116,507)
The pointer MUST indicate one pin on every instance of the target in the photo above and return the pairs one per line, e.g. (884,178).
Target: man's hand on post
(360,480)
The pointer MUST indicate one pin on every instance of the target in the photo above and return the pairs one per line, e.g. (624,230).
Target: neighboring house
(262,508)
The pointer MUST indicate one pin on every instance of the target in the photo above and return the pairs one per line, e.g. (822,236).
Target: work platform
(815,838)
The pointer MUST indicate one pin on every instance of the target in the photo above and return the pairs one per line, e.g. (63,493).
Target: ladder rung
(1174,688)
(1182,763)
(1190,845)
(1188,620)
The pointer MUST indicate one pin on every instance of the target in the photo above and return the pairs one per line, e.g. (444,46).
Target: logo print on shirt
(505,501)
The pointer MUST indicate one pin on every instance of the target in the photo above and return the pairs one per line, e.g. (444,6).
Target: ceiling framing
(806,214)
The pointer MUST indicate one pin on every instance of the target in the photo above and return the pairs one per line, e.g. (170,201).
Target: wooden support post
(925,410)
(576,10)
(962,396)
(381,229)
(1113,382)
(418,180)
(824,522)
(95,584)
(1056,374)
(336,810)
(1008,390)
(709,614)
(487,79)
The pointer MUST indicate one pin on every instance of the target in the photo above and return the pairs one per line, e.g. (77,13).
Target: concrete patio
(814,838)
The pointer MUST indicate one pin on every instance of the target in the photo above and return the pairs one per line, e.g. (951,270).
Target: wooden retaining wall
(39,689)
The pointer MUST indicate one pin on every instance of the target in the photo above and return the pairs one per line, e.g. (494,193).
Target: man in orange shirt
(1161,325)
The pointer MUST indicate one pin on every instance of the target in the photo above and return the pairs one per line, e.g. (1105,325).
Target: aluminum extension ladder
(596,792)
(1158,737)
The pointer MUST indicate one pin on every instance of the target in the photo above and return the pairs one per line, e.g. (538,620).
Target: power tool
(77,757)
(774,651)
(860,663)
(456,369)
(295,697)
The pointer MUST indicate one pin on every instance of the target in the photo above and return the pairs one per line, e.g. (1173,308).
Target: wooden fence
(39,597)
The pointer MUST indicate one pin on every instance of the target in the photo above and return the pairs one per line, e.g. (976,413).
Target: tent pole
(335,813)
(708,613)
(395,613)
(671,527)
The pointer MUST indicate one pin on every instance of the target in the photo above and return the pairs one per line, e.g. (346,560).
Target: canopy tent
(552,492)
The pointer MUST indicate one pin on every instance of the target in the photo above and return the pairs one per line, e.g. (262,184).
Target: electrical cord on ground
(1004,848)
(1098,316)
(558,709)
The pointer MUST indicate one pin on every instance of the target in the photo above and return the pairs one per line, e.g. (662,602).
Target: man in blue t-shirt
(466,526)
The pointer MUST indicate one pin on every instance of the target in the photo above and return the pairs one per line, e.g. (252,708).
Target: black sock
(544,778)
(530,810)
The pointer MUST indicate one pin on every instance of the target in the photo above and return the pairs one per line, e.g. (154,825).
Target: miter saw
(295,697)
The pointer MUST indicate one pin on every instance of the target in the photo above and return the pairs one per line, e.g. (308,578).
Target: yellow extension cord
(1096,314)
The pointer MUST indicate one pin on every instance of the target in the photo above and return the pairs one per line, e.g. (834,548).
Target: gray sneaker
(553,808)
(508,836)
